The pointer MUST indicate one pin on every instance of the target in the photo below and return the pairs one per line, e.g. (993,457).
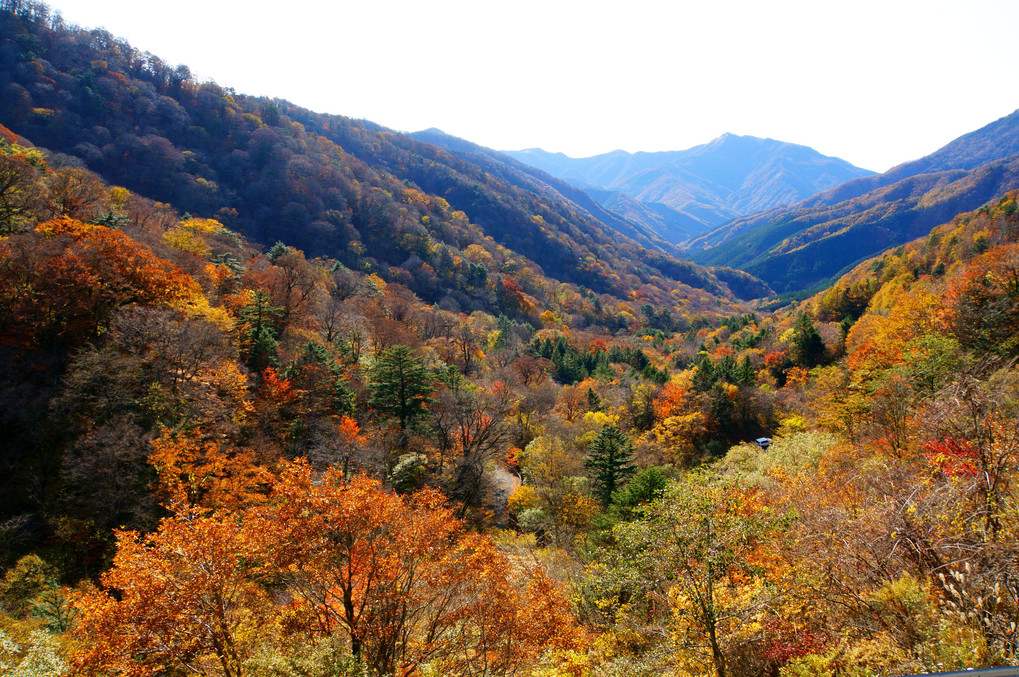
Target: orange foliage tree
(401,578)
(878,342)
(982,305)
(184,598)
(64,281)
(190,471)
(675,399)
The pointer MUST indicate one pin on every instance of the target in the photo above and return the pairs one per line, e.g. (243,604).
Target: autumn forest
(287,394)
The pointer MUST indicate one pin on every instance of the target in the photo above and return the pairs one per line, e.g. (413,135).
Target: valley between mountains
(290,394)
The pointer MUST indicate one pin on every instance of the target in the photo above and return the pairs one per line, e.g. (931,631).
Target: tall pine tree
(400,386)
(609,462)
(808,347)
(262,318)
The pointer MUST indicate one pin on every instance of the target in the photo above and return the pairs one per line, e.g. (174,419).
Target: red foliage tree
(63,282)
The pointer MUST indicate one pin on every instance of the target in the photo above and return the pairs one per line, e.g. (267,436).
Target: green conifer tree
(808,347)
(609,461)
(400,386)
(263,333)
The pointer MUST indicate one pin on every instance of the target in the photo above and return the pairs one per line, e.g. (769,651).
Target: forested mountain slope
(535,180)
(876,284)
(794,249)
(374,199)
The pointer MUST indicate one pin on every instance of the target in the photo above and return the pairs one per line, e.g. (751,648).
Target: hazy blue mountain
(995,141)
(666,222)
(796,247)
(706,185)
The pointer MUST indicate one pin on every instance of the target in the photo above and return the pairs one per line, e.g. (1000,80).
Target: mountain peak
(798,246)
(730,176)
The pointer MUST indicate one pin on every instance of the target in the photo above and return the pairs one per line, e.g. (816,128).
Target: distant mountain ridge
(706,185)
(795,247)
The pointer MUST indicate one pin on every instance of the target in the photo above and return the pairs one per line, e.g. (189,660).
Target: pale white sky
(874,82)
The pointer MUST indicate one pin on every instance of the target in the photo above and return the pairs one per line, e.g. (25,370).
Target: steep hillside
(950,248)
(794,249)
(531,179)
(991,142)
(376,200)
(709,184)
